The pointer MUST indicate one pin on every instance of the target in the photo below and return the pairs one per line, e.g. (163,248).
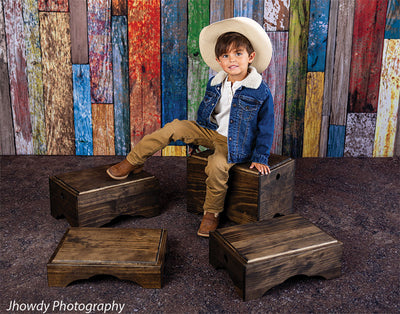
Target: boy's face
(236,62)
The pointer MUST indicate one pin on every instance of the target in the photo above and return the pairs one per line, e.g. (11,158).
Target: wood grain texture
(392,28)
(229,8)
(82,109)
(121,84)
(119,7)
(317,36)
(253,9)
(103,129)
(360,134)
(275,77)
(144,67)
(366,57)
(397,141)
(313,113)
(7,143)
(14,27)
(217,10)
(53,5)
(79,32)
(34,75)
(388,103)
(57,93)
(276,15)
(336,140)
(174,150)
(296,78)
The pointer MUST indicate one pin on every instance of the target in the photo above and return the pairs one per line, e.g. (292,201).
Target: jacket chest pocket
(248,108)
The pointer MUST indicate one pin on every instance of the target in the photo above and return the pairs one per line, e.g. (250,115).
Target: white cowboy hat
(243,25)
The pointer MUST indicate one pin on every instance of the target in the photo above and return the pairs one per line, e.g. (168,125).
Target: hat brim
(243,25)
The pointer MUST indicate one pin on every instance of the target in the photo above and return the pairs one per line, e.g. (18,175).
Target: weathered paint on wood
(144,67)
(82,109)
(174,150)
(360,132)
(34,75)
(317,36)
(397,141)
(340,84)
(392,29)
(216,10)
(119,7)
(79,32)
(57,93)
(100,50)
(198,71)
(14,27)
(296,78)
(7,143)
(53,5)
(253,9)
(388,104)
(313,113)
(336,140)
(121,84)
(366,57)
(103,129)
(275,77)
(228,8)
(276,15)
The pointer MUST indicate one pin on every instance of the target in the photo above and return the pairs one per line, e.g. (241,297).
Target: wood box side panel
(63,201)
(196,186)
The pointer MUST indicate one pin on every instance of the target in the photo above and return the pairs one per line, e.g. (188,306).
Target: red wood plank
(53,5)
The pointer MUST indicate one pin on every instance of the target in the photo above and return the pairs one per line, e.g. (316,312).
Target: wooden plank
(296,78)
(228,9)
(275,77)
(57,85)
(174,150)
(253,9)
(121,84)
(82,109)
(313,113)
(79,32)
(53,5)
(198,71)
(360,133)
(144,67)
(119,7)
(14,27)
(388,104)
(276,15)
(317,36)
(217,10)
(392,28)
(397,141)
(34,75)
(7,143)
(366,57)
(103,129)
(100,50)
(336,140)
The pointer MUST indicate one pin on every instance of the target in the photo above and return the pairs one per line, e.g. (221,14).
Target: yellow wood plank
(103,129)
(174,151)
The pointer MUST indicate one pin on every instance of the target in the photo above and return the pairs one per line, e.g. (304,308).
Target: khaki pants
(190,132)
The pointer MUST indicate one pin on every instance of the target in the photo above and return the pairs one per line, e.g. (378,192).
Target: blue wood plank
(253,9)
(336,140)
(392,29)
(121,84)
(82,109)
(318,34)
(174,60)
(216,11)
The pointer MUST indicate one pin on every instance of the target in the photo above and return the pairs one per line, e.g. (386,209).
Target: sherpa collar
(253,79)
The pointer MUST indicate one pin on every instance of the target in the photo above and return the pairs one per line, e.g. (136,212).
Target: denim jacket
(251,126)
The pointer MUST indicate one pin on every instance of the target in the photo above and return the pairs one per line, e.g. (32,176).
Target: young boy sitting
(235,118)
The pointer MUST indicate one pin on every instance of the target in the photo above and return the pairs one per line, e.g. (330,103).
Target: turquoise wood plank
(336,140)
(392,29)
(82,109)
(119,35)
(253,9)
(317,35)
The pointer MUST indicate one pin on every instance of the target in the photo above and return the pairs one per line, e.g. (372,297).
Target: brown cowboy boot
(122,170)
(209,223)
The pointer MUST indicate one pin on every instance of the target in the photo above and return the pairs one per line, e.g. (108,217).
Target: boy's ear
(252,56)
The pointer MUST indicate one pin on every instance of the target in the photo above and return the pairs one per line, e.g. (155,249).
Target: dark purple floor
(356,200)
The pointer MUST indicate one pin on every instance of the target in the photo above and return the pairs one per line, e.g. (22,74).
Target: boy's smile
(236,62)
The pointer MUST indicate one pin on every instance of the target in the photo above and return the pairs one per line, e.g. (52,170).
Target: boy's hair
(232,40)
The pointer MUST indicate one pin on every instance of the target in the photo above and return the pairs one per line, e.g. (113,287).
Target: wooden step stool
(90,198)
(250,197)
(128,254)
(261,255)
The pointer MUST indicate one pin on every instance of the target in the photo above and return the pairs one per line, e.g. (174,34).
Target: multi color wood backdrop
(92,77)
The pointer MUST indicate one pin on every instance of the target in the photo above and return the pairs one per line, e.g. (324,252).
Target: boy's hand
(262,169)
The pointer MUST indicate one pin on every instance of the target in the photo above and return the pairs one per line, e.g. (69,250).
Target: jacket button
(230,138)
(234,105)
(231,121)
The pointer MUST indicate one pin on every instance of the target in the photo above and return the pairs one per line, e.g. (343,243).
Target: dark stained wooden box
(128,254)
(251,197)
(261,255)
(90,198)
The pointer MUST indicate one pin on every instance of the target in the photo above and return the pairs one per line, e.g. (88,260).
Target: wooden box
(251,197)
(90,198)
(261,255)
(128,254)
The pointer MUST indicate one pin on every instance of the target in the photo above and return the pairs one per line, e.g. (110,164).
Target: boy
(235,118)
